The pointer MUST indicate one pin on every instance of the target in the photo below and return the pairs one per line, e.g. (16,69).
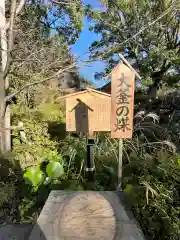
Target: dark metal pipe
(90,155)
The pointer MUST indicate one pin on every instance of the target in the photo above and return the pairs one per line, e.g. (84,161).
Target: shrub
(150,168)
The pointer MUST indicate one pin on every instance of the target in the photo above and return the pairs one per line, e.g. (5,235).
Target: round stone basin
(87,216)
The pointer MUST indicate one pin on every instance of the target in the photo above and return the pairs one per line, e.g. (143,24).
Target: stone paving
(79,215)
(15,231)
(87,216)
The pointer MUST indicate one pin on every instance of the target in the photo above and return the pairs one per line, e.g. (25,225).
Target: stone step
(86,215)
(15,231)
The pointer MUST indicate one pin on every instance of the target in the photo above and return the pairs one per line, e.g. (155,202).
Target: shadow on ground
(20,232)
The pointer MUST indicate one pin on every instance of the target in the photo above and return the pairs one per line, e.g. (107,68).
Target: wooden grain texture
(87,112)
(85,215)
(122,102)
(99,119)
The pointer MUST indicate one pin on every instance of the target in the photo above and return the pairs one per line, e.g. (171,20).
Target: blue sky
(80,49)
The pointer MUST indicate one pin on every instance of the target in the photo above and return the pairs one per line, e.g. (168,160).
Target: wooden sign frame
(88,112)
(122,102)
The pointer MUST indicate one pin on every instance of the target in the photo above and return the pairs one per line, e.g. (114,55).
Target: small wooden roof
(87,90)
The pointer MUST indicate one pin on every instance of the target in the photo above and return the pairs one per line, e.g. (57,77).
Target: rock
(74,215)
(15,231)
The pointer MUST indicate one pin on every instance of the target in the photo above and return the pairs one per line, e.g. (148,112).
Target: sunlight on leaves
(33,176)
(54,170)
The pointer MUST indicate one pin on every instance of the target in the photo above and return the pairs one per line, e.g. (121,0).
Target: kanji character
(122,118)
(123,96)
(122,81)
(122,111)
(122,123)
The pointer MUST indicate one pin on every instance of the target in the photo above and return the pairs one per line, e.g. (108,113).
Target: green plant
(150,169)
(7,192)
(54,170)
(153,186)
(35,176)
(151,176)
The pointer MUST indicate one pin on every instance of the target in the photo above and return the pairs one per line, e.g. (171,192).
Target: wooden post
(119,172)
(122,109)
(129,65)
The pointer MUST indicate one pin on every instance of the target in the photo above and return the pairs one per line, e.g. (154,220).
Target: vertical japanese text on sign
(122,94)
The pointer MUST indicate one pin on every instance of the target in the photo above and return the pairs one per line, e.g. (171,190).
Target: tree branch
(128,64)
(150,24)
(61,3)
(18,10)
(18,128)
(8,98)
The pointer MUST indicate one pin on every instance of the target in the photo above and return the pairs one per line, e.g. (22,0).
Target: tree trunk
(2,112)
(7,126)
(5,110)
(6,42)
(2,83)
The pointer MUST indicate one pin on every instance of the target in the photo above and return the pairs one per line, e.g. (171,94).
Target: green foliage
(38,146)
(151,176)
(51,112)
(54,170)
(150,172)
(50,160)
(138,30)
(31,203)
(34,176)
(153,187)
(10,178)
(65,19)
(7,192)
(151,179)
(36,56)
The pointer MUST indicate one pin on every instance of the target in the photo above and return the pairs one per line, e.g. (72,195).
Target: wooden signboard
(122,102)
(88,111)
